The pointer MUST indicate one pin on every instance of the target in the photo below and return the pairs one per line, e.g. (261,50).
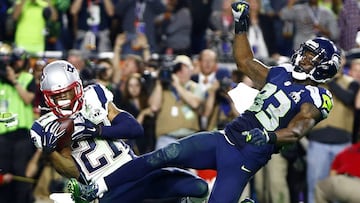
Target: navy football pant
(204,150)
(158,184)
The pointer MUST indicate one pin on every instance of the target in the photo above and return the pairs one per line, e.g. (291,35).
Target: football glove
(50,136)
(259,137)
(85,130)
(240,12)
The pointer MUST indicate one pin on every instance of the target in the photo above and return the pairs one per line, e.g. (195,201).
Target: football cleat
(247,200)
(81,193)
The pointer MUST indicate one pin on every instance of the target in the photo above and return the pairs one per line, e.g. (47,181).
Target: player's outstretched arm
(123,126)
(243,54)
(300,125)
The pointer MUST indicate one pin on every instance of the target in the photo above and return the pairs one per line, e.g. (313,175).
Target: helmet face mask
(325,61)
(62,88)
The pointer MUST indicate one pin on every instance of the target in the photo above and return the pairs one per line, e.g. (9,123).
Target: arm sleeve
(123,126)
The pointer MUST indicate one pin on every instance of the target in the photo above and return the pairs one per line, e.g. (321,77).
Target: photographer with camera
(176,99)
(17,91)
(104,73)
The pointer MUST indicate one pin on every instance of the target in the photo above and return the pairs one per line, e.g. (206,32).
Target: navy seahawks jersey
(277,103)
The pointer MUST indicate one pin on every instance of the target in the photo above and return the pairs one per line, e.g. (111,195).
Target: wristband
(242,25)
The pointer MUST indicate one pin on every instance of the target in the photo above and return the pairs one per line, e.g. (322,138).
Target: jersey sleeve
(97,98)
(322,99)
(273,72)
(277,71)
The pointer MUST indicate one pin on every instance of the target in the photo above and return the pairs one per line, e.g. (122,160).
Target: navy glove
(85,130)
(259,137)
(50,137)
(240,12)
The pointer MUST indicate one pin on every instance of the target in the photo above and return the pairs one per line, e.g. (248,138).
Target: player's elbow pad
(123,126)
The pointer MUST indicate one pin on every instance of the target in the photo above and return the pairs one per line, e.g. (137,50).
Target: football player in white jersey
(91,159)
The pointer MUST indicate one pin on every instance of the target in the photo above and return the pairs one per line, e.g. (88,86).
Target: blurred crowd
(169,63)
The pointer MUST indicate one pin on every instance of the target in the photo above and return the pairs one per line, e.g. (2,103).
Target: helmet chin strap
(303,76)
(300,76)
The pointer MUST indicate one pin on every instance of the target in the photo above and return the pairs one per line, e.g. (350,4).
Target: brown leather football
(65,140)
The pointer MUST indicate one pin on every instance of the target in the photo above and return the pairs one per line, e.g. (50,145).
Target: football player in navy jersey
(287,106)
(90,159)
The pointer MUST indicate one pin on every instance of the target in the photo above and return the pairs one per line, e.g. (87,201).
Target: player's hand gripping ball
(64,141)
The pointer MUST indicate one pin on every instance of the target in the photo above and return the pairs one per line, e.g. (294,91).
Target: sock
(102,188)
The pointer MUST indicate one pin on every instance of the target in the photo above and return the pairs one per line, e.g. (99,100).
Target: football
(65,140)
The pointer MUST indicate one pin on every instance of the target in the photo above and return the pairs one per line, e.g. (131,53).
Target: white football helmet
(60,77)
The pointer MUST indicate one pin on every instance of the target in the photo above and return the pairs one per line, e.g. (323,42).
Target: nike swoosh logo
(245,169)
(92,129)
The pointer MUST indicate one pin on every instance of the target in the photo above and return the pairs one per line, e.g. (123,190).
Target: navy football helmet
(326,60)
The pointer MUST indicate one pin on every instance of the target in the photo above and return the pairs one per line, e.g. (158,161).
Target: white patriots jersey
(95,158)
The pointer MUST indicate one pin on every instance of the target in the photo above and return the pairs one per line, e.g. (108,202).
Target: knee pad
(164,156)
(171,152)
